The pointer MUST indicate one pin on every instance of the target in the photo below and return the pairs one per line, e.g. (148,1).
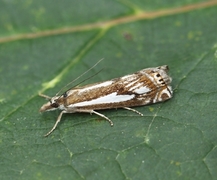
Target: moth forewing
(144,87)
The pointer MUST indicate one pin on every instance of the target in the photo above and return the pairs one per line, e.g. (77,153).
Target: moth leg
(44,96)
(55,125)
(103,116)
(130,109)
(99,114)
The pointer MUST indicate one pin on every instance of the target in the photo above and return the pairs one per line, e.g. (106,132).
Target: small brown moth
(147,86)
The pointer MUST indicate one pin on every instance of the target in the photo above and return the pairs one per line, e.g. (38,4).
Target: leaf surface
(46,44)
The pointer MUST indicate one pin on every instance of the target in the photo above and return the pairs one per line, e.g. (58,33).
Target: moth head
(51,105)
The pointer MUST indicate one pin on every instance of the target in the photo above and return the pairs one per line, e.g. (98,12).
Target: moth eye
(158,75)
(55,105)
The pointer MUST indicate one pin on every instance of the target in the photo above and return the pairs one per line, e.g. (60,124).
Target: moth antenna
(85,80)
(80,76)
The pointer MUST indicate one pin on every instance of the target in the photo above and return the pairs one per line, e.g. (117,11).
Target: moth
(144,87)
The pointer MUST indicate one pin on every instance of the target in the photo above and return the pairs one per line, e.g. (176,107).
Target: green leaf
(46,44)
